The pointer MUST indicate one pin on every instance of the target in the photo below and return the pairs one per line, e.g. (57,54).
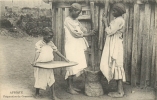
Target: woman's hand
(93,32)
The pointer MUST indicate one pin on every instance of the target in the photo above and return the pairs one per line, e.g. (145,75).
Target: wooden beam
(145,56)
(97,61)
(130,39)
(139,47)
(148,20)
(156,47)
(93,38)
(134,45)
(101,30)
(152,44)
(125,41)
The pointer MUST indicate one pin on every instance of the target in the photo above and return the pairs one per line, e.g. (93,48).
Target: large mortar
(93,85)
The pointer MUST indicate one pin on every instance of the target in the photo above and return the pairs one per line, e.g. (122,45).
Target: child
(45,76)
(112,58)
(75,45)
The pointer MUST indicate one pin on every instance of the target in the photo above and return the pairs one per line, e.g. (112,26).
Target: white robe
(111,63)
(75,47)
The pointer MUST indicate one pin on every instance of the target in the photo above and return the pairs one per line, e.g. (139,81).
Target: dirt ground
(17,75)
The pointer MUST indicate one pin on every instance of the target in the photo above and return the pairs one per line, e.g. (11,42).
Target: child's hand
(34,63)
(67,60)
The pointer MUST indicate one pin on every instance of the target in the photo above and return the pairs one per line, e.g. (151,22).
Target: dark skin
(47,39)
(120,91)
(115,13)
(74,14)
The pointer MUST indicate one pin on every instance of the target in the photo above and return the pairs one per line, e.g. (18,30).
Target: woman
(111,63)
(75,45)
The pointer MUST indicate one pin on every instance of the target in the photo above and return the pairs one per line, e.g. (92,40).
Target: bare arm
(35,58)
(59,54)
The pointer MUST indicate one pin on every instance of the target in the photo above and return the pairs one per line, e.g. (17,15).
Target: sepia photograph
(78,49)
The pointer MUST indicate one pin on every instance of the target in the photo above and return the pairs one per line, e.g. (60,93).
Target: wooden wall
(139,39)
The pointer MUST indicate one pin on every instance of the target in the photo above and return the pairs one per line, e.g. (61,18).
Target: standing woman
(75,45)
(111,63)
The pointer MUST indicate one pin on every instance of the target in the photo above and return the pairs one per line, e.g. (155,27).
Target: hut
(140,53)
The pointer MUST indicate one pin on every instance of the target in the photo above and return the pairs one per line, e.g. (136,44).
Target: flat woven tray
(55,64)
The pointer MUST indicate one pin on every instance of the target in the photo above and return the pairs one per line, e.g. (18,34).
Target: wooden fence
(139,39)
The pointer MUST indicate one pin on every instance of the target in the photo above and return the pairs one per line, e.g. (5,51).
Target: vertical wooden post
(139,47)
(93,38)
(156,50)
(53,24)
(101,29)
(101,34)
(97,61)
(53,17)
(145,56)
(156,47)
(60,34)
(152,44)
(129,46)
(125,40)
(134,47)
(148,68)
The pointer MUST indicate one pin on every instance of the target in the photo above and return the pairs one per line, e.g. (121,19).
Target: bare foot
(38,96)
(76,89)
(72,91)
(116,94)
(55,98)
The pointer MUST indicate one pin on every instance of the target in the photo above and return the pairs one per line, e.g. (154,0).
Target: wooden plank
(111,17)
(148,67)
(97,61)
(60,32)
(62,39)
(93,38)
(56,38)
(156,48)
(125,39)
(59,40)
(144,67)
(53,17)
(152,44)
(134,45)
(101,30)
(139,47)
(129,42)
(54,27)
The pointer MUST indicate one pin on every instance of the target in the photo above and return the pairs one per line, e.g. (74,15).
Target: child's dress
(43,77)
(111,63)
(75,47)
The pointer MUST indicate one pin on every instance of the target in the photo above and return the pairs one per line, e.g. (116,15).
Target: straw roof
(101,1)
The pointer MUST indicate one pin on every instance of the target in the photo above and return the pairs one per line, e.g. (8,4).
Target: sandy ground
(16,74)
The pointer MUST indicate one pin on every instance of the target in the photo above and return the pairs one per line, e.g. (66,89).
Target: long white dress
(44,77)
(111,63)
(74,47)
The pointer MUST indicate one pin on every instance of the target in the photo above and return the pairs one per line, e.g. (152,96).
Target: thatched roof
(101,1)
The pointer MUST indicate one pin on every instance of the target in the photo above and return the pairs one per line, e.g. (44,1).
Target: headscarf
(120,7)
(76,6)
